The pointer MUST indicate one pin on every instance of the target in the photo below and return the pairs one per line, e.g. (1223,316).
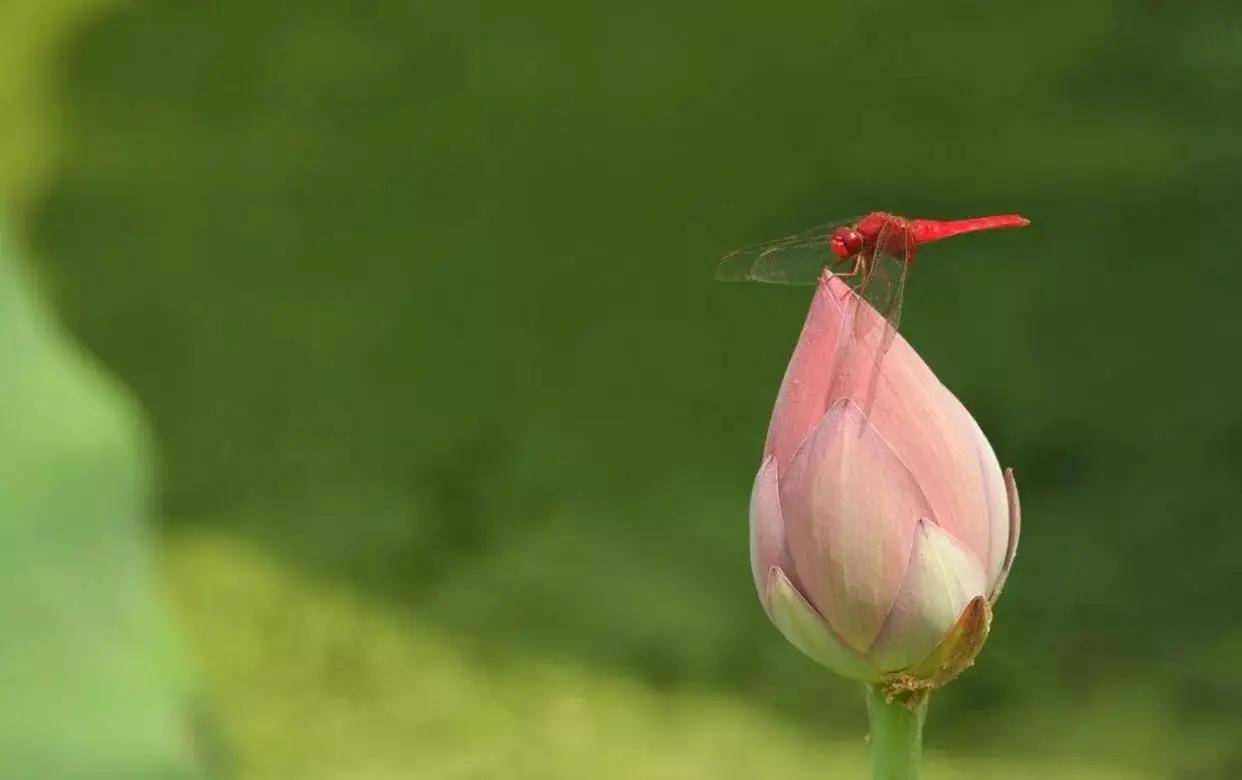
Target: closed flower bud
(882,527)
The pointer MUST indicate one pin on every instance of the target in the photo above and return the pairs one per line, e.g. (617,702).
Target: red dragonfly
(880,249)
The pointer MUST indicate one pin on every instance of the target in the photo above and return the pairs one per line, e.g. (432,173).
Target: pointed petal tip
(953,656)
(941,579)
(767,525)
(1015,530)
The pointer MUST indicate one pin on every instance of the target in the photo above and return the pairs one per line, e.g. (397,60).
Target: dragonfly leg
(857,274)
(855,269)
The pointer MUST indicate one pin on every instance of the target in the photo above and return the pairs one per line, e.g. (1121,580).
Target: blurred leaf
(92,686)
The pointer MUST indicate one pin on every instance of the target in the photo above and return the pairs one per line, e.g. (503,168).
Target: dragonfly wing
(793,263)
(796,259)
(883,286)
(883,281)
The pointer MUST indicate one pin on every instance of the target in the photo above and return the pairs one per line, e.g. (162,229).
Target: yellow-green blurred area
(369,411)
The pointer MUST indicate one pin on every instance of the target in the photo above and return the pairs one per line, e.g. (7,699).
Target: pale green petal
(941,580)
(808,632)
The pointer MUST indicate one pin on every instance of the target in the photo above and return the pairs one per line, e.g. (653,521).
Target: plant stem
(896,734)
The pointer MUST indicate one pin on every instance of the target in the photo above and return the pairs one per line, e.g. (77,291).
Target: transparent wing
(796,259)
(882,283)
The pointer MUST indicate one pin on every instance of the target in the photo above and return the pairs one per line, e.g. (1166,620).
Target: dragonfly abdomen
(927,230)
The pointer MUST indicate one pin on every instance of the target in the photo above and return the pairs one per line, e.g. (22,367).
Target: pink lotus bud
(882,528)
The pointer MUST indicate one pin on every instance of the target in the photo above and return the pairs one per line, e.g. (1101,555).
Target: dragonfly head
(845,242)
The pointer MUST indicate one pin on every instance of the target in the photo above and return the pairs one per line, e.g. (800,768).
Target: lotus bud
(882,528)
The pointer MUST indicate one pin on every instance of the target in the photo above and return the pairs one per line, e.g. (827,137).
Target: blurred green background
(436,437)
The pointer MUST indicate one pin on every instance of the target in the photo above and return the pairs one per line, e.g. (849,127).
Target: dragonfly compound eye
(845,242)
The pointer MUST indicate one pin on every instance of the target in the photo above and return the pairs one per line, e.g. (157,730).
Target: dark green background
(417,300)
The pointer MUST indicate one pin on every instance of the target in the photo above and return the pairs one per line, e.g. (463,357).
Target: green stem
(896,734)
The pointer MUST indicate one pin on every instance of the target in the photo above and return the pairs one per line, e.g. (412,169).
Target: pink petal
(930,431)
(803,398)
(807,631)
(1015,527)
(926,426)
(995,505)
(767,528)
(941,580)
(850,507)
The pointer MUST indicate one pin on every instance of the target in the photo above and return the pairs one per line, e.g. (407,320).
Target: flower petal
(938,439)
(767,527)
(924,423)
(995,505)
(850,507)
(804,395)
(807,631)
(1015,527)
(943,577)
(951,657)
